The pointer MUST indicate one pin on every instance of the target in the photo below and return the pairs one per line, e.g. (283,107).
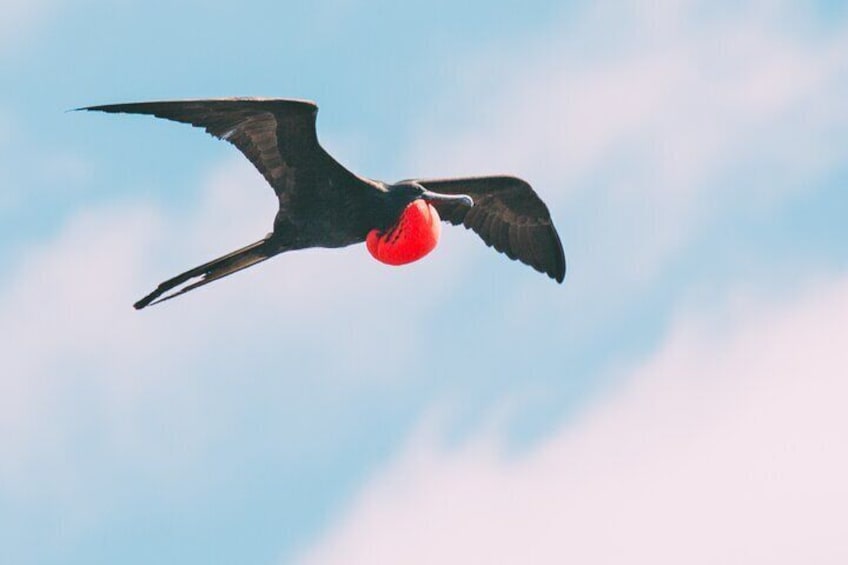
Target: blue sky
(674,401)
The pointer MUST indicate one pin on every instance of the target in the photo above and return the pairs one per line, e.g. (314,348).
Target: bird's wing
(508,215)
(276,135)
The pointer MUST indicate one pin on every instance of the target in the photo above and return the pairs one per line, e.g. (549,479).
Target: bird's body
(323,204)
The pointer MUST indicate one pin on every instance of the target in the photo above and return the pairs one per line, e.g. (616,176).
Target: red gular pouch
(414,235)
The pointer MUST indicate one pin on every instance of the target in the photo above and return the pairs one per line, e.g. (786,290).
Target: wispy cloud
(726,446)
(665,116)
(68,324)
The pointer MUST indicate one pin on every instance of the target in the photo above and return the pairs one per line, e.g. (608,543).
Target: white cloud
(68,325)
(665,116)
(728,446)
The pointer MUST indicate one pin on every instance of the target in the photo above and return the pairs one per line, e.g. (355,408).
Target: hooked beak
(463,199)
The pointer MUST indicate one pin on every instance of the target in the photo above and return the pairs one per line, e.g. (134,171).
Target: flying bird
(323,204)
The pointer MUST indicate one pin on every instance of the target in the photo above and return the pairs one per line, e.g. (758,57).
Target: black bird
(322,204)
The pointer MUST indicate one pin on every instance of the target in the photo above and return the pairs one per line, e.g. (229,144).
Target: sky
(677,399)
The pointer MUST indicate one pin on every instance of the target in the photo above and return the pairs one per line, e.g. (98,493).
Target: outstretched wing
(508,215)
(276,135)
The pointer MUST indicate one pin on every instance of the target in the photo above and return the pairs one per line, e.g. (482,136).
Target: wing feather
(508,215)
(276,135)
(486,226)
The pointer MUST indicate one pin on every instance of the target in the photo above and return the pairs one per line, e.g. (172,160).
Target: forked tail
(211,271)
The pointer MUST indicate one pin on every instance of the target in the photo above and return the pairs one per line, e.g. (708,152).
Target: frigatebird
(323,204)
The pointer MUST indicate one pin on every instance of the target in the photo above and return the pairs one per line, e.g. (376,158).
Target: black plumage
(508,215)
(322,204)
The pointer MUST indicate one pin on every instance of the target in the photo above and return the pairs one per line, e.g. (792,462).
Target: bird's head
(416,227)
(408,191)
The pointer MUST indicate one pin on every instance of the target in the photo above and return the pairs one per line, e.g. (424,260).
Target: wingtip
(561,274)
(146,301)
(96,108)
(557,276)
